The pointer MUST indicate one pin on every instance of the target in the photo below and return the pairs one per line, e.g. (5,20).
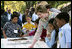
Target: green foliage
(20,6)
(57,3)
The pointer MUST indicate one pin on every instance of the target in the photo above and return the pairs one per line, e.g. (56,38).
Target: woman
(41,11)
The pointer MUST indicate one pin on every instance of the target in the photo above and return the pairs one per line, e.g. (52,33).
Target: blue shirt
(65,36)
(52,41)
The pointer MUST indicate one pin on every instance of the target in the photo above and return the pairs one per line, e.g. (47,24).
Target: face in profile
(59,22)
(42,15)
(50,26)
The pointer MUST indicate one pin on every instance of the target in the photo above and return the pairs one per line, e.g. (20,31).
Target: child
(11,29)
(62,20)
(43,35)
(28,26)
(53,31)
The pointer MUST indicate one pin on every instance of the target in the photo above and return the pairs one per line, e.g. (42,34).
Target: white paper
(15,31)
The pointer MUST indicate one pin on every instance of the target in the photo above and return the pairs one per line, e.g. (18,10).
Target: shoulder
(3,16)
(32,23)
(25,23)
(53,32)
(7,23)
(41,21)
(66,28)
(55,13)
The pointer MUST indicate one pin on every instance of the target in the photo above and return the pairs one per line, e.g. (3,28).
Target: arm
(25,35)
(34,41)
(4,34)
(50,42)
(37,34)
(24,28)
(4,29)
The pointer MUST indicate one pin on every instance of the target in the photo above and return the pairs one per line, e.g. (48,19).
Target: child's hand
(48,35)
(27,30)
(23,36)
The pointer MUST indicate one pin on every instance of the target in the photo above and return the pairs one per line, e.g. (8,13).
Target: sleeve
(47,41)
(3,20)
(5,26)
(50,42)
(39,30)
(24,29)
(54,14)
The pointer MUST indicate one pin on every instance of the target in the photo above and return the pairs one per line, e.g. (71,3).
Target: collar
(64,26)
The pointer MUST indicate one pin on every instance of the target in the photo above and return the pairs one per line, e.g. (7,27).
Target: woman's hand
(48,35)
(31,46)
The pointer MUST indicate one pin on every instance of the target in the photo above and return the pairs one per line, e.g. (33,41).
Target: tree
(2,6)
(57,3)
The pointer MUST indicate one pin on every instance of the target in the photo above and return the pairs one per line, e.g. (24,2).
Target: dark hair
(33,9)
(37,21)
(15,14)
(48,6)
(63,15)
(51,21)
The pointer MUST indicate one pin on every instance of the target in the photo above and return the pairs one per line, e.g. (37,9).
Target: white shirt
(9,16)
(34,17)
(65,36)
(20,16)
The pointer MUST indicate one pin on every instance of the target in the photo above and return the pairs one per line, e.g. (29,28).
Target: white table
(22,43)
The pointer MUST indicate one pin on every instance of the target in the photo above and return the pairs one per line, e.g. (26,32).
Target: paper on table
(21,43)
(15,31)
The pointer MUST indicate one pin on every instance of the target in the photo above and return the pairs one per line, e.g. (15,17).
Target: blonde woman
(44,16)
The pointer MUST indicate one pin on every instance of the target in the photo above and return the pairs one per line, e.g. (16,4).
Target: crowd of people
(45,22)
